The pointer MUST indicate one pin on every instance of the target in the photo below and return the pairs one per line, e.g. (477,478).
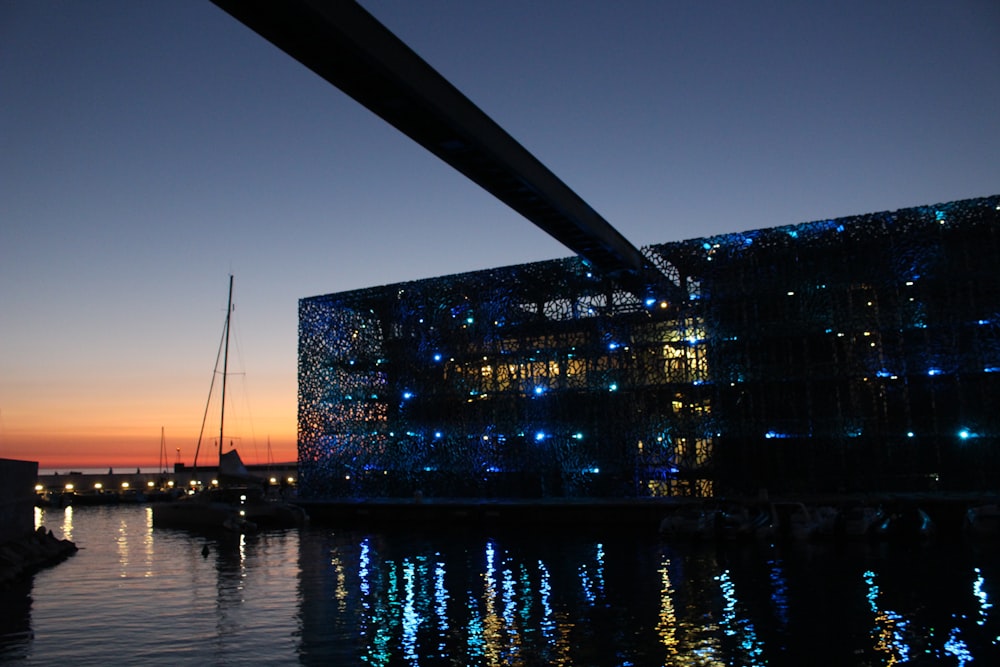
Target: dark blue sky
(147,150)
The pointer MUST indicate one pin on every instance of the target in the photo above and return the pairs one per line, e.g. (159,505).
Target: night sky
(148,150)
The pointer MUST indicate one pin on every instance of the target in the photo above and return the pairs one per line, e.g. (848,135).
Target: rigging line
(211,388)
(235,330)
(225,369)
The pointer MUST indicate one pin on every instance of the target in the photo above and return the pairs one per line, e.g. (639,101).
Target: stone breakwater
(34,551)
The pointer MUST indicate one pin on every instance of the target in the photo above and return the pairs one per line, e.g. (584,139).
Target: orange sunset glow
(70,428)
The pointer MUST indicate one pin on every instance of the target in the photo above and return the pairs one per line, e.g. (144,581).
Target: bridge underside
(349,48)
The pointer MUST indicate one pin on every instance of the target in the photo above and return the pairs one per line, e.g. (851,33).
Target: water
(323,596)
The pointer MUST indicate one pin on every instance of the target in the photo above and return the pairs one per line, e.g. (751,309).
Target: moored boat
(983,520)
(238,502)
(860,520)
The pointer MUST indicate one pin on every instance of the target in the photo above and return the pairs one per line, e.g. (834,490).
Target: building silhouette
(855,354)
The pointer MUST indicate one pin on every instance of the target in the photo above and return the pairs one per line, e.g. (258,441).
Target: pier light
(170,484)
(98,486)
(291,480)
(69,487)
(124,485)
(39,488)
(273,480)
(150,484)
(215,482)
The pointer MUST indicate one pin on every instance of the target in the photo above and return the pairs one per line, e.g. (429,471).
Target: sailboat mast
(225,368)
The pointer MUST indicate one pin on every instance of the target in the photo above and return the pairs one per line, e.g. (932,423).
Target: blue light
(539,390)
(612,346)
(650,301)
(794,234)
(407,395)
(540,436)
(437,434)
(965,434)
(468,320)
(706,246)
(613,386)
(578,436)
(437,357)
(934,371)
(593,471)
(909,434)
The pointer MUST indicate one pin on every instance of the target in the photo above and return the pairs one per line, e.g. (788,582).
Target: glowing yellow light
(124,485)
(215,482)
(291,480)
(69,487)
(170,484)
(39,487)
(98,486)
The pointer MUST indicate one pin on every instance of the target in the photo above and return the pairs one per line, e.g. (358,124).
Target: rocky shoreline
(34,551)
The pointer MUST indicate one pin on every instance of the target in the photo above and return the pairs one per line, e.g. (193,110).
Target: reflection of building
(861,353)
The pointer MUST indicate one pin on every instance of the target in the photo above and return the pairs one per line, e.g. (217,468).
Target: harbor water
(134,594)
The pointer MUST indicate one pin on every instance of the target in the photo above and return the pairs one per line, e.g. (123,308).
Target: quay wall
(637,515)
(180,477)
(17,498)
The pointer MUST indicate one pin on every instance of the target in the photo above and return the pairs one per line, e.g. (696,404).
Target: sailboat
(239,503)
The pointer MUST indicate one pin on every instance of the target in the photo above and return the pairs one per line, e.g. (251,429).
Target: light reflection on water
(327,596)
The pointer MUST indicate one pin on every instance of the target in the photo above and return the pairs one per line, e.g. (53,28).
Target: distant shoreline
(150,470)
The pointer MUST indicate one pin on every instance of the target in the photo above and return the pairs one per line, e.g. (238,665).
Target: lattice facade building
(854,354)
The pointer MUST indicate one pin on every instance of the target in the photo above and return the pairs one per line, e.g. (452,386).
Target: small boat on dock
(983,520)
(693,521)
(905,523)
(860,520)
